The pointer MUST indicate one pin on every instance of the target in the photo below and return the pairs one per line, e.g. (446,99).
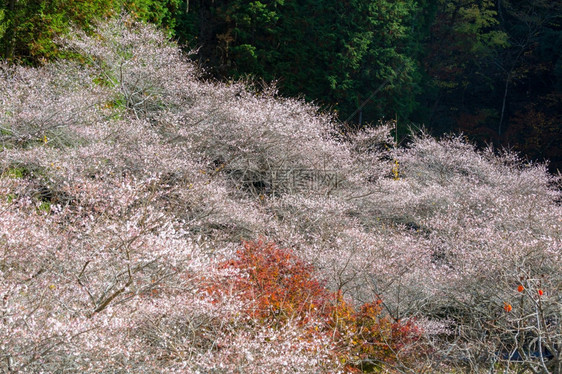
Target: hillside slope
(128,185)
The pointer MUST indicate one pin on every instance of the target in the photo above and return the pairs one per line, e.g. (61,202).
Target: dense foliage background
(491,69)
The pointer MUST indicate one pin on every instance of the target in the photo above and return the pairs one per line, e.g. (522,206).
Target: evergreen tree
(28,28)
(334,52)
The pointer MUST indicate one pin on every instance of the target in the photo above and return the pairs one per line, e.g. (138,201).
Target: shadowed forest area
(489,69)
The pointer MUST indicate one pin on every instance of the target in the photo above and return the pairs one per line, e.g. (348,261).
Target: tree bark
(503,104)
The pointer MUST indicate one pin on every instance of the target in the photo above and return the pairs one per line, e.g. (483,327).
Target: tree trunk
(503,104)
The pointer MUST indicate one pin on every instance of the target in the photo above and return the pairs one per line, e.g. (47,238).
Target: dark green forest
(489,69)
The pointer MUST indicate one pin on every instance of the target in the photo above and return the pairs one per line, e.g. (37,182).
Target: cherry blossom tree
(128,184)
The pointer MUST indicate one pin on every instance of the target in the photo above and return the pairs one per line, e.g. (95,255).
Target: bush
(277,288)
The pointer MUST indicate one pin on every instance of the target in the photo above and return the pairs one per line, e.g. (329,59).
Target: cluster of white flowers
(124,184)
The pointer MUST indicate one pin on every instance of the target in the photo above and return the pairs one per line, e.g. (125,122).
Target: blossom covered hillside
(151,221)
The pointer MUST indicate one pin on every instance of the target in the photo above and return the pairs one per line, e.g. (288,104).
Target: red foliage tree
(279,286)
